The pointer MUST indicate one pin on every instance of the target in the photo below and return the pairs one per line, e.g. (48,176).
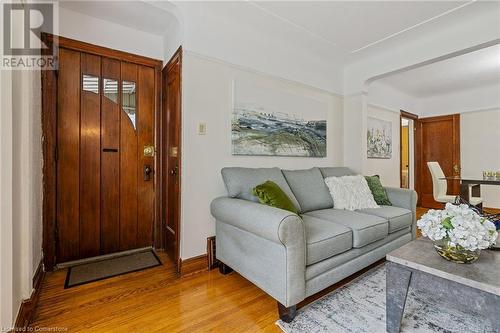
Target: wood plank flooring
(155,300)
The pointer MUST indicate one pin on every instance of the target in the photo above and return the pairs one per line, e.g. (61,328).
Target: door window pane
(111,89)
(128,100)
(91,83)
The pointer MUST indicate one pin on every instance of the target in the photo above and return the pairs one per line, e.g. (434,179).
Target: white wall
(9,301)
(104,33)
(217,30)
(355,110)
(20,186)
(21,224)
(207,97)
(480,149)
(387,169)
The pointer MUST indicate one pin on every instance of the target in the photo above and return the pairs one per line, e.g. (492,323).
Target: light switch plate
(202,128)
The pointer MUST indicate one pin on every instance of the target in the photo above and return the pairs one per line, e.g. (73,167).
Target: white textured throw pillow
(350,192)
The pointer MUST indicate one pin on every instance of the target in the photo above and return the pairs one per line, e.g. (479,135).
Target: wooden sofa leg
(287,313)
(224,269)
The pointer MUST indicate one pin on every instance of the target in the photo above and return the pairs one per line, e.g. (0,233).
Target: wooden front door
(171,140)
(104,155)
(437,139)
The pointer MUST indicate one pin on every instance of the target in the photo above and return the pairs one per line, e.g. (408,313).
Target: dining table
(475,183)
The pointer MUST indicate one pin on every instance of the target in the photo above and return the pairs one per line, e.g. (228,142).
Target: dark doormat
(103,269)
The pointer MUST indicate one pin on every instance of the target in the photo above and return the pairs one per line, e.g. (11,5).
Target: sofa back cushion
(309,188)
(336,172)
(240,182)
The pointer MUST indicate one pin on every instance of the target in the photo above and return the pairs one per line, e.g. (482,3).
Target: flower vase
(455,253)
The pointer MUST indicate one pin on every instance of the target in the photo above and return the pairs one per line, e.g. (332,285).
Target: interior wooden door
(437,139)
(105,155)
(171,101)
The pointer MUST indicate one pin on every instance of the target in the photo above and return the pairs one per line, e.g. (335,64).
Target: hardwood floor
(155,300)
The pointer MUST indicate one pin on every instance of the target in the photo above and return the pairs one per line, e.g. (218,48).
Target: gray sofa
(292,257)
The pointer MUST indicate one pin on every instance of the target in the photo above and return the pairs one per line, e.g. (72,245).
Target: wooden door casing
(171,155)
(437,139)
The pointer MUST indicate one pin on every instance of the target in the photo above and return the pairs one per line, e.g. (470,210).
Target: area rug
(103,269)
(359,307)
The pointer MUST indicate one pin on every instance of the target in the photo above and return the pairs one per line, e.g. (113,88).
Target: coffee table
(417,264)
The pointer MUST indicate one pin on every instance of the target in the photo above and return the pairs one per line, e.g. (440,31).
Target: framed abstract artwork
(271,122)
(379,138)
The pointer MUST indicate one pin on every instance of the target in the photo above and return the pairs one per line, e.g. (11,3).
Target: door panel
(439,141)
(90,146)
(128,158)
(145,127)
(68,155)
(171,103)
(110,157)
(105,119)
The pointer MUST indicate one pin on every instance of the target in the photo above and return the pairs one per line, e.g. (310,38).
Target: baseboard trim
(193,265)
(28,306)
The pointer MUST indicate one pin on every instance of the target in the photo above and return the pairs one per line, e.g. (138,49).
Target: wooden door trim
(49,135)
(177,57)
(49,141)
(408,115)
(80,46)
(417,139)
(414,117)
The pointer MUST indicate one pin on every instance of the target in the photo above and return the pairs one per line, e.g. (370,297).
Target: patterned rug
(359,307)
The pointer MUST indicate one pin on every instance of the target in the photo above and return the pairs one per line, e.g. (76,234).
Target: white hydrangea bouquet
(458,232)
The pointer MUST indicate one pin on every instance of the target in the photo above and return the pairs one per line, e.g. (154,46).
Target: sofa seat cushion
(365,228)
(325,239)
(309,188)
(399,218)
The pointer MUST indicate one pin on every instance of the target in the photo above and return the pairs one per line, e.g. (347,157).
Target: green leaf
(446,223)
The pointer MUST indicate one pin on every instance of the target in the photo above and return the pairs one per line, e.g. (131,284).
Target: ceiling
(468,71)
(352,26)
(138,15)
(347,28)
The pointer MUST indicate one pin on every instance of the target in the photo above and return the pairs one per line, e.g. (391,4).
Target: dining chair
(440,186)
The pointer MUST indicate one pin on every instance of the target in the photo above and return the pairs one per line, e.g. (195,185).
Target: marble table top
(483,274)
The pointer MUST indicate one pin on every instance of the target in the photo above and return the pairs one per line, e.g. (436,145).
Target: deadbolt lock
(149,151)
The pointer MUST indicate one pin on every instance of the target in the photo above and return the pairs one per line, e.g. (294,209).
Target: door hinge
(56,153)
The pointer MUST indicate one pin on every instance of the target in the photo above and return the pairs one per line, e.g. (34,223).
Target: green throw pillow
(269,193)
(378,191)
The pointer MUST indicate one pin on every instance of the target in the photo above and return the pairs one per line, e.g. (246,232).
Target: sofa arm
(272,242)
(404,198)
(277,225)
